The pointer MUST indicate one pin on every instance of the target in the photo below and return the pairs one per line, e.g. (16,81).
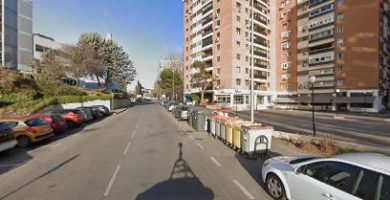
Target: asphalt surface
(372,132)
(141,153)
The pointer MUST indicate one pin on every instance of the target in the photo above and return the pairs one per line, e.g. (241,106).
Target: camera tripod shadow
(182,184)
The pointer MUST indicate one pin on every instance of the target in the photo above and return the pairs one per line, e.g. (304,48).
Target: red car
(72,117)
(57,123)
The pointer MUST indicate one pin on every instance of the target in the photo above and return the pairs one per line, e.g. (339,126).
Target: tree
(49,67)
(202,79)
(170,80)
(116,66)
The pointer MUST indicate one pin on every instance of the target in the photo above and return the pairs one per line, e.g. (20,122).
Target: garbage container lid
(255,126)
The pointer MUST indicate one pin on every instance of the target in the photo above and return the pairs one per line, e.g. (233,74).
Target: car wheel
(275,187)
(23,141)
(70,124)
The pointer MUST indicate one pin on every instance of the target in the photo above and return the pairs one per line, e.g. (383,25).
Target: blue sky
(147,29)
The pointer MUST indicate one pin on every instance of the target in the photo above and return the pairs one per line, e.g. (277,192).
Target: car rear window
(35,122)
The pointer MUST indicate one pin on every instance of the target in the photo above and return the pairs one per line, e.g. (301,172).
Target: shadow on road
(254,166)
(182,184)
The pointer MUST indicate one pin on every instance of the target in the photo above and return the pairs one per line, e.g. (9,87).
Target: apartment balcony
(207,8)
(321,41)
(261,19)
(324,48)
(313,3)
(314,13)
(263,2)
(261,8)
(207,41)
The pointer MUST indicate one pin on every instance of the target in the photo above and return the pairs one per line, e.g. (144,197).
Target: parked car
(57,123)
(91,113)
(182,113)
(7,137)
(171,107)
(29,129)
(72,117)
(96,113)
(343,177)
(87,113)
(102,109)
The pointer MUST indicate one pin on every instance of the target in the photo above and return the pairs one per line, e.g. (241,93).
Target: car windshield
(35,122)
(188,99)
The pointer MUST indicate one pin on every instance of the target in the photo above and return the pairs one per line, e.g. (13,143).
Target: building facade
(228,38)
(16,35)
(343,43)
(44,43)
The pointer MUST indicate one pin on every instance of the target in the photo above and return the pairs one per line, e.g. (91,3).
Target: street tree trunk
(201,96)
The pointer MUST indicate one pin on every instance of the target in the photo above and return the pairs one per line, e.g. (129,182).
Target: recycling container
(237,134)
(190,115)
(222,129)
(202,117)
(212,124)
(218,126)
(256,137)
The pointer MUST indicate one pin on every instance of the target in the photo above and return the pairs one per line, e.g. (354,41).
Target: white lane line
(242,188)
(200,146)
(132,135)
(127,149)
(192,138)
(215,161)
(112,180)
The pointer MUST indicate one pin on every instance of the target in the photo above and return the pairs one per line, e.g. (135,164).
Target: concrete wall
(118,103)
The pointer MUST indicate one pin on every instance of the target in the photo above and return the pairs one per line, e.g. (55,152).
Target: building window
(238,56)
(238,31)
(340,42)
(238,99)
(219,71)
(238,69)
(340,16)
(238,43)
(340,69)
(339,29)
(340,2)
(246,70)
(218,58)
(340,55)
(238,18)
(218,47)
(238,81)
(340,82)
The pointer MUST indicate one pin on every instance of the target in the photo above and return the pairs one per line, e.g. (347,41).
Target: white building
(44,43)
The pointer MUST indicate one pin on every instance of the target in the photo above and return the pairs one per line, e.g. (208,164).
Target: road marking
(200,146)
(215,161)
(132,135)
(112,180)
(127,148)
(192,138)
(242,188)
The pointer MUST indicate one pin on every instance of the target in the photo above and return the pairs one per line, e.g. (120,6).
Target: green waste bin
(202,117)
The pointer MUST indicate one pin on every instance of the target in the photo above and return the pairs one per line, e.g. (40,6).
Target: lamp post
(335,95)
(235,100)
(312,80)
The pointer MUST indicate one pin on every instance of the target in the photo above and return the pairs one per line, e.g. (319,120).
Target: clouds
(145,28)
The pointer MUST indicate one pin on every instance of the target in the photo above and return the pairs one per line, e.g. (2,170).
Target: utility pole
(252,74)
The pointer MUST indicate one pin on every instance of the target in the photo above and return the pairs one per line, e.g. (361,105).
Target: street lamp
(335,95)
(236,99)
(312,80)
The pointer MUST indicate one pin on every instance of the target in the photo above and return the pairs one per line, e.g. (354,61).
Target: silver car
(343,177)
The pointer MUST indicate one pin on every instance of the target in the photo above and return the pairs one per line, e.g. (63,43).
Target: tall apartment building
(343,43)
(222,34)
(16,34)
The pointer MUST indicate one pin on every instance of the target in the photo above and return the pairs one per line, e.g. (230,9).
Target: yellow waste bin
(229,132)
(237,134)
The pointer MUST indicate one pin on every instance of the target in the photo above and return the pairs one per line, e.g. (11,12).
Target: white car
(343,177)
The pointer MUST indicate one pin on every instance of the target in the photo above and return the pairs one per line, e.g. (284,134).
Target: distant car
(29,129)
(102,109)
(183,113)
(72,117)
(57,123)
(7,137)
(353,176)
(171,107)
(87,113)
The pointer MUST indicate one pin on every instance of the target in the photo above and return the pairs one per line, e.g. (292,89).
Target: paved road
(142,153)
(373,132)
